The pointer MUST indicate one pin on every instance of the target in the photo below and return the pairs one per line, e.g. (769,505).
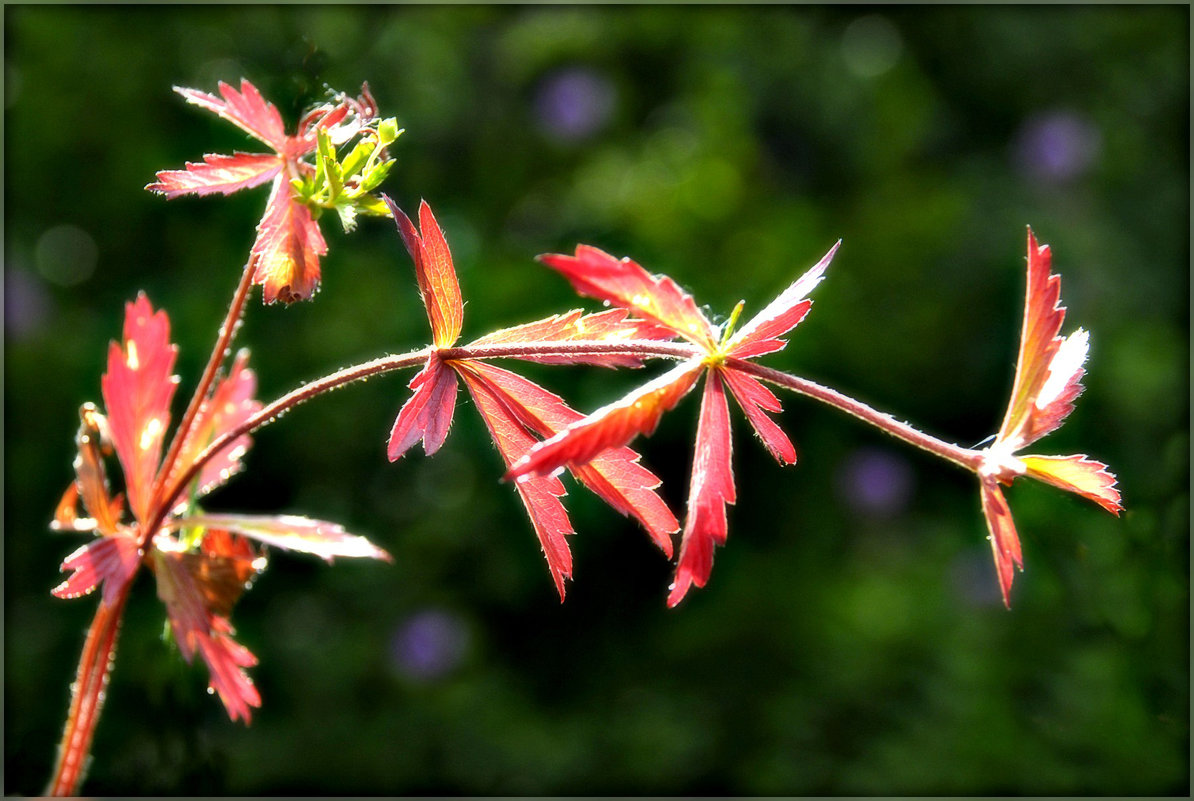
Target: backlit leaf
(1088,478)
(427,415)
(112,560)
(540,494)
(614,475)
(711,487)
(293,533)
(246,109)
(761,334)
(624,283)
(288,248)
(614,325)
(137,390)
(434,271)
(1005,542)
(611,426)
(756,400)
(218,174)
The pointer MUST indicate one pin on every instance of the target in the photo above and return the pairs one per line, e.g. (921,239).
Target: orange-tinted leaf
(230,404)
(1088,478)
(761,334)
(246,109)
(137,389)
(1005,543)
(112,560)
(189,595)
(427,415)
(216,173)
(91,481)
(434,271)
(614,475)
(288,247)
(756,400)
(611,426)
(624,283)
(614,325)
(540,494)
(1047,371)
(293,533)
(710,489)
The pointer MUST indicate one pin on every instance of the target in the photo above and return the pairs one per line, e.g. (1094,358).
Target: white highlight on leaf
(151,433)
(133,361)
(1068,360)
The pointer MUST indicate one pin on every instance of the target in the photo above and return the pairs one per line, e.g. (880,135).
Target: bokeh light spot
(66,255)
(871,46)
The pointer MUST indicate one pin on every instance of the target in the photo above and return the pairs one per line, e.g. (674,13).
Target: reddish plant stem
(963,457)
(87,696)
(218,354)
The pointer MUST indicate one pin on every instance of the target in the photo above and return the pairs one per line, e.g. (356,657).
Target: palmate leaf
(218,174)
(615,475)
(137,388)
(614,325)
(711,487)
(756,400)
(624,283)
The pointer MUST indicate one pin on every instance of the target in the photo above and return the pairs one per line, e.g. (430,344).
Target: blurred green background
(851,640)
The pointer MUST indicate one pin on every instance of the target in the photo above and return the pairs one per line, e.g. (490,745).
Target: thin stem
(87,697)
(218,354)
(963,457)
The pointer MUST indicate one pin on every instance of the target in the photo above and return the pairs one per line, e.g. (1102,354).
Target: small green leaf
(355,160)
(327,159)
(348,216)
(375,176)
(388,131)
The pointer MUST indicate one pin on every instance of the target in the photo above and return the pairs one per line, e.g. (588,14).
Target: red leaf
(755,400)
(222,174)
(246,109)
(1088,478)
(615,475)
(1048,372)
(137,389)
(614,325)
(540,494)
(91,481)
(190,585)
(427,415)
(112,560)
(611,426)
(288,248)
(624,283)
(761,334)
(292,533)
(434,271)
(230,404)
(710,489)
(1005,543)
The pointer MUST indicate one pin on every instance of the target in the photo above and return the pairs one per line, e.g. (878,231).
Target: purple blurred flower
(26,304)
(874,482)
(429,644)
(1057,146)
(573,104)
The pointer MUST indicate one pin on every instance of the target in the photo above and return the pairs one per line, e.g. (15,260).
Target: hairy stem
(963,457)
(218,354)
(87,696)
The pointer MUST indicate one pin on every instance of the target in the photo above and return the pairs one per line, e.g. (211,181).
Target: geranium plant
(203,560)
